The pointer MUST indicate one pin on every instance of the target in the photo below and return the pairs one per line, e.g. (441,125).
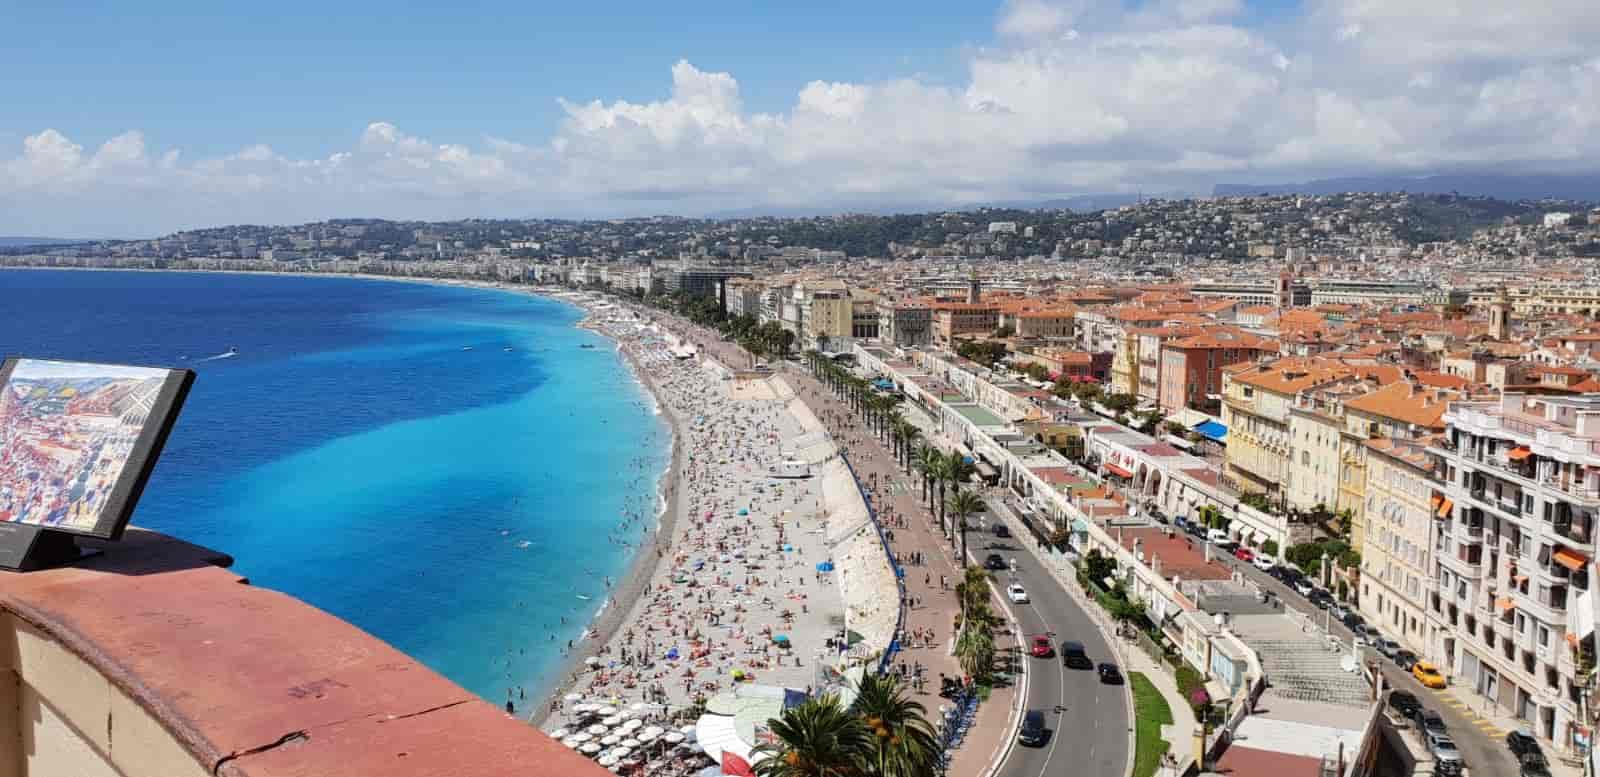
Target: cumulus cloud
(1067,96)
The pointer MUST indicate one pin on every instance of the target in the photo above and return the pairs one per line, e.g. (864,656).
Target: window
(1544,635)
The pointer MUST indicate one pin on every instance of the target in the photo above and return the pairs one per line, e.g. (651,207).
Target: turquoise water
(456,503)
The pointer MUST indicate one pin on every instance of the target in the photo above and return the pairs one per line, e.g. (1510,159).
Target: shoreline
(626,595)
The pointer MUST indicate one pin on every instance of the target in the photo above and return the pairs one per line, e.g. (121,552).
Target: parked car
(1361,635)
(994,562)
(1264,562)
(1041,647)
(1304,586)
(1338,611)
(1522,744)
(1405,659)
(1447,759)
(1219,538)
(1032,732)
(1320,598)
(1386,647)
(1428,721)
(1352,619)
(1534,765)
(1427,674)
(1243,554)
(1110,675)
(1016,593)
(1195,529)
(1405,703)
(1073,656)
(1001,530)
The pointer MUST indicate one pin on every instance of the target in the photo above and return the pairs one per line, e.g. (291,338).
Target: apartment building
(1256,405)
(952,319)
(1125,365)
(1046,323)
(1191,367)
(905,324)
(1514,550)
(744,297)
(1395,556)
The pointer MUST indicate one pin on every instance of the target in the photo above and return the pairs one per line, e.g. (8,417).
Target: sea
(448,468)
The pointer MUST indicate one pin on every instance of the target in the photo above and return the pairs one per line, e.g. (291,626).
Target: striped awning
(1120,472)
(1445,506)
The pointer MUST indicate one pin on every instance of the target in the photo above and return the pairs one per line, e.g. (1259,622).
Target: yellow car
(1427,674)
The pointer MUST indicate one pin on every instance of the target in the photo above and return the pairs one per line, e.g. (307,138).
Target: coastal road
(1088,720)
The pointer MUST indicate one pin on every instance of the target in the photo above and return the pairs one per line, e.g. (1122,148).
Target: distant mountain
(1504,187)
(22,242)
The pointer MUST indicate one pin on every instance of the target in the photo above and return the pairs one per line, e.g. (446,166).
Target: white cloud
(1069,97)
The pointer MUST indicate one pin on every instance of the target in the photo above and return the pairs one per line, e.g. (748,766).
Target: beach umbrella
(622,752)
(560,733)
(672,737)
(638,706)
(782,639)
(629,743)
(571,697)
(571,742)
(592,660)
(612,720)
(743,511)
(583,736)
(607,710)
(596,730)
(589,748)
(607,761)
(610,739)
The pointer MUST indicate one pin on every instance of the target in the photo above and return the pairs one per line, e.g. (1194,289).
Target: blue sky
(308,76)
(124,118)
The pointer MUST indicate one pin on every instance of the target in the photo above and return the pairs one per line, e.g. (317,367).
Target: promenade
(913,532)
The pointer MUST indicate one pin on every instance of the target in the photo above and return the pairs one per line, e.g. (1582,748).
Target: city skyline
(316,114)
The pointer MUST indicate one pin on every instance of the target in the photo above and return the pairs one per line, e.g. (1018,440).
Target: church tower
(1500,317)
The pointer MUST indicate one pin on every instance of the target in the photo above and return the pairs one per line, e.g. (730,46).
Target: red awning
(1119,471)
(1519,453)
(1445,507)
(1571,559)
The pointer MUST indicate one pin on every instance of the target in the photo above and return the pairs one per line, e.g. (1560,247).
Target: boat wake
(228,354)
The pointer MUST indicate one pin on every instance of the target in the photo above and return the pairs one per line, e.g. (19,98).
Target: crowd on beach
(745,587)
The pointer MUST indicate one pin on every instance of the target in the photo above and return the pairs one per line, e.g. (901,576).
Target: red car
(1243,554)
(1042,647)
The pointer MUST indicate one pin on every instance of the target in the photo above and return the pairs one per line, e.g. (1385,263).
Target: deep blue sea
(456,503)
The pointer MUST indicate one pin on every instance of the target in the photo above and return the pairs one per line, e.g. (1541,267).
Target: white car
(1263,562)
(1017,593)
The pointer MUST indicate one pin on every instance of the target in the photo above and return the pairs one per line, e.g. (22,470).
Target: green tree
(903,742)
(963,504)
(817,738)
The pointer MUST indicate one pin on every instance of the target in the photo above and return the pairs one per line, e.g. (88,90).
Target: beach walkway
(930,586)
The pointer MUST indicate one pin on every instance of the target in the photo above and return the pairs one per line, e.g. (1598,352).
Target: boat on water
(587,345)
(508,349)
(466,347)
(233,350)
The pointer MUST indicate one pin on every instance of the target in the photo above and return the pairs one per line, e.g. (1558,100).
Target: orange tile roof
(1405,402)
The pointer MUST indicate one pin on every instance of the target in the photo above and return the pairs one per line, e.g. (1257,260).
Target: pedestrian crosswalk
(1484,726)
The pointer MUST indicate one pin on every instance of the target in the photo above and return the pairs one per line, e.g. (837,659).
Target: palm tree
(903,741)
(927,462)
(818,738)
(909,435)
(956,470)
(964,504)
(975,644)
(942,471)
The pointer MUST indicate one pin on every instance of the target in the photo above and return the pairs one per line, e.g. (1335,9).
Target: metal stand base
(26,548)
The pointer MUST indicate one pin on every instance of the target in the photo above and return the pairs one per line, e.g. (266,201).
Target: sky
(120,119)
